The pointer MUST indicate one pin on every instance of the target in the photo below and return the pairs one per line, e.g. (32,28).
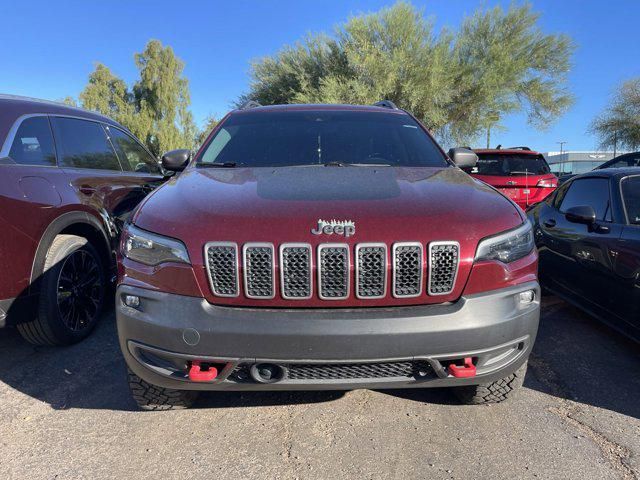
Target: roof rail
(386,104)
(250,104)
(519,148)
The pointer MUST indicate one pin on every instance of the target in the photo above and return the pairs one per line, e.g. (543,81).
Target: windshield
(631,197)
(272,139)
(507,165)
(624,161)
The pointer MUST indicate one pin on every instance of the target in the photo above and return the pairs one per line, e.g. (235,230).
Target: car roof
(319,107)
(17,106)
(610,173)
(505,151)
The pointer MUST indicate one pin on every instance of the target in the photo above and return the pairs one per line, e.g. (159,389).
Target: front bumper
(166,332)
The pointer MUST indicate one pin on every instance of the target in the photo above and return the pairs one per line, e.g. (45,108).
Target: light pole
(561,156)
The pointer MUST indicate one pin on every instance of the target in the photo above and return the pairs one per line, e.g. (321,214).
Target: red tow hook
(465,371)
(197,374)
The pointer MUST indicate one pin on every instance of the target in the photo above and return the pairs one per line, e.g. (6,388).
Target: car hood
(279,205)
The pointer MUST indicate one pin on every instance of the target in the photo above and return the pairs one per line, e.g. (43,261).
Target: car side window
(593,192)
(33,143)
(560,193)
(134,158)
(630,187)
(83,144)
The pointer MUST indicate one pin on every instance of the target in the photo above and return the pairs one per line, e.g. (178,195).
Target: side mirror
(176,160)
(463,157)
(581,214)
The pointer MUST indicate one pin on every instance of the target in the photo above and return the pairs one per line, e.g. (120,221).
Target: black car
(621,161)
(588,237)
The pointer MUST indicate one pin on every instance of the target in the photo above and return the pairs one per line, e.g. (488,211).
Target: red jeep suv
(68,181)
(518,172)
(325,247)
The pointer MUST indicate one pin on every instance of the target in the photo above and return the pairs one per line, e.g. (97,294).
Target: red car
(69,179)
(325,247)
(519,173)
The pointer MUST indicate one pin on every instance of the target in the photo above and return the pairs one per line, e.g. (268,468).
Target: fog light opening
(527,297)
(132,301)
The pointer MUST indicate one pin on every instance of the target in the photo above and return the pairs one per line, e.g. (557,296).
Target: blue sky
(47,49)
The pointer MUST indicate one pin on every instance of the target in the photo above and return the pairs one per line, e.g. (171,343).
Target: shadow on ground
(574,357)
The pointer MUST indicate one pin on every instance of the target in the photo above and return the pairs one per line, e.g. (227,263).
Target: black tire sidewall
(48,311)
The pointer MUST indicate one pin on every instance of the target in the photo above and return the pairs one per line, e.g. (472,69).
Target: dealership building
(577,162)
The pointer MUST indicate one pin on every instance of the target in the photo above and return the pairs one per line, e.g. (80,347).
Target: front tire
(150,397)
(494,392)
(72,291)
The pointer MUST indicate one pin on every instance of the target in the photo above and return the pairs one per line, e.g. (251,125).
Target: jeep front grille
(222,266)
(333,271)
(443,267)
(296,271)
(373,267)
(371,270)
(407,270)
(259,274)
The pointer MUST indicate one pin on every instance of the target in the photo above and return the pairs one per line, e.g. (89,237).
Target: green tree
(109,95)
(69,100)
(162,99)
(209,124)
(619,124)
(156,108)
(459,84)
(506,64)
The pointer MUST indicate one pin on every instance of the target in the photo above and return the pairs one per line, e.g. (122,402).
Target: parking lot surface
(66,414)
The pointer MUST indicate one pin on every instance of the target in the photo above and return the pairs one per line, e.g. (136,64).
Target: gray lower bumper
(166,331)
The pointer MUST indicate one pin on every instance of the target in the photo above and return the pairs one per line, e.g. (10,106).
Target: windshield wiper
(343,164)
(217,165)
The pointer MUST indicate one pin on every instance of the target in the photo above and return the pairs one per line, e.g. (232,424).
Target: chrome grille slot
(259,272)
(333,271)
(295,271)
(222,268)
(443,267)
(407,270)
(371,270)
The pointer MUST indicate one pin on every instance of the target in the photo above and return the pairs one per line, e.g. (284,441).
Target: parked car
(325,247)
(621,161)
(69,179)
(519,173)
(588,236)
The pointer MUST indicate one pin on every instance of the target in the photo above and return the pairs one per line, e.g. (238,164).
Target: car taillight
(547,183)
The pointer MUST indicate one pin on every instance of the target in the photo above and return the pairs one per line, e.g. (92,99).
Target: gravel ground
(66,414)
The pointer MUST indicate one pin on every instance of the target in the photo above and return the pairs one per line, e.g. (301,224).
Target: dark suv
(69,179)
(325,247)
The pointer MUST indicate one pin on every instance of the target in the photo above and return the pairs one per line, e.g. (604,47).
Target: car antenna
(386,104)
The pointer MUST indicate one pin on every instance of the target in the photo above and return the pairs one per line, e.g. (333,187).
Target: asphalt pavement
(66,413)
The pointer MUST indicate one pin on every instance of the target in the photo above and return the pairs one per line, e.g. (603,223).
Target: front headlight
(152,249)
(507,246)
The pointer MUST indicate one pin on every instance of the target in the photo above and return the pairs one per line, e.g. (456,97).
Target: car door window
(631,197)
(134,158)
(33,143)
(593,192)
(560,193)
(83,144)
